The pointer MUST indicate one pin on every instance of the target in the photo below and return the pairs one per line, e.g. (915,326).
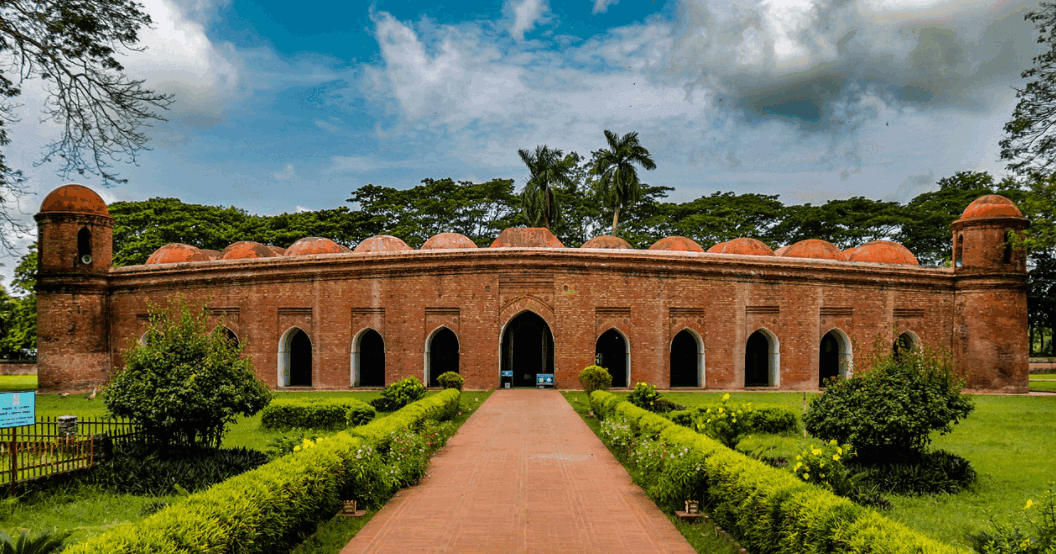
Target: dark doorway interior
(443,355)
(371,359)
(757,361)
(527,349)
(903,344)
(684,361)
(231,337)
(300,360)
(829,362)
(610,352)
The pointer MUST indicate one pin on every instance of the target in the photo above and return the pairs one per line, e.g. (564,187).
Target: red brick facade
(88,313)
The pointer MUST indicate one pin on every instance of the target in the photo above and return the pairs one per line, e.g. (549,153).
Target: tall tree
(1030,137)
(73,48)
(547,168)
(618,184)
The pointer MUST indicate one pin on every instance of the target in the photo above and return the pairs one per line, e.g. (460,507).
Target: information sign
(17,408)
(544,379)
(506,373)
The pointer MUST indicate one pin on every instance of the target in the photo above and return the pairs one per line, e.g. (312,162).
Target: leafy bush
(889,413)
(399,394)
(1034,534)
(932,472)
(137,468)
(283,445)
(451,380)
(726,423)
(331,414)
(617,434)
(44,543)
(644,396)
(594,377)
(186,383)
(773,420)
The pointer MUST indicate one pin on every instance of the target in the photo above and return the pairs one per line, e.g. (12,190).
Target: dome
(991,205)
(76,199)
(520,237)
(850,252)
(676,243)
(607,241)
(781,251)
(175,253)
(213,254)
(245,249)
(814,248)
(314,245)
(382,243)
(278,250)
(448,240)
(743,246)
(883,252)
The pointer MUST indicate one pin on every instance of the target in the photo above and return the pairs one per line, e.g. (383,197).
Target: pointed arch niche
(368,359)
(835,358)
(762,359)
(612,351)
(441,355)
(687,360)
(295,359)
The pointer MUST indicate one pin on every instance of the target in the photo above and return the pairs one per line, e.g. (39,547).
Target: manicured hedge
(329,413)
(769,510)
(262,510)
(775,420)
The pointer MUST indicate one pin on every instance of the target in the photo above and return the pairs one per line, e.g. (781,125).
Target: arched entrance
(370,359)
(829,360)
(295,359)
(906,342)
(685,360)
(611,352)
(761,360)
(441,355)
(527,349)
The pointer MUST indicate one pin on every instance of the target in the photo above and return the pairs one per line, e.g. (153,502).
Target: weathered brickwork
(977,311)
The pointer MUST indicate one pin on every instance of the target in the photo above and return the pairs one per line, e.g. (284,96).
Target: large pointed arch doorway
(527,349)
(685,360)
(295,359)
(611,353)
(834,360)
(761,360)
(370,359)
(442,355)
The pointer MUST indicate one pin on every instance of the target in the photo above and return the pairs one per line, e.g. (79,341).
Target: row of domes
(880,251)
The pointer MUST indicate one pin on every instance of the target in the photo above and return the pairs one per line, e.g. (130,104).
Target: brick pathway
(523,474)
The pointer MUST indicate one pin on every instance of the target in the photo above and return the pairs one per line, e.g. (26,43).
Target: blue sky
(283,106)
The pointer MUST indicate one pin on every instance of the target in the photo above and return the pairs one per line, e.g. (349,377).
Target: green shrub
(771,420)
(890,412)
(44,543)
(331,414)
(399,394)
(934,472)
(451,380)
(186,383)
(1034,533)
(726,423)
(644,396)
(594,377)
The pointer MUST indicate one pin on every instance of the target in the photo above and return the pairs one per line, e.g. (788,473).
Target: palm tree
(618,184)
(547,168)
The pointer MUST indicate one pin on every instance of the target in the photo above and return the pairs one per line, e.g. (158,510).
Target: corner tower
(990,342)
(75,238)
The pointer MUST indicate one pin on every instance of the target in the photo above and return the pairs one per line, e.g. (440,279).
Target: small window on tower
(958,251)
(1008,249)
(84,246)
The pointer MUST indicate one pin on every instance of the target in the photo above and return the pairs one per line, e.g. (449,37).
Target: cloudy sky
(281,108)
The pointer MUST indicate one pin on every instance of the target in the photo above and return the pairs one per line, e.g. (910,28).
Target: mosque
(318,316)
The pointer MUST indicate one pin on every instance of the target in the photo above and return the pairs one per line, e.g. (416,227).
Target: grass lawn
(1008,440)
(13,383)
(1043,386)
(1043,375)
(87,511)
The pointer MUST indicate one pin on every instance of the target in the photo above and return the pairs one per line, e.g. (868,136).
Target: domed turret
(743,246)
(76,232)
(526,237)
(246,249)
(991,206)
(444,241)
(816,249)
(382,243)
(77,199)
(607,241)
(980,236)
(310,246)
(883,252)
(174,253)
(677,244)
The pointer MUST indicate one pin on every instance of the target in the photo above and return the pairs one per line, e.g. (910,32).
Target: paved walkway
(523,474)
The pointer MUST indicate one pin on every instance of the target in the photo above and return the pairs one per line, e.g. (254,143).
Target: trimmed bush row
(769,510)
(262,510)
(330,413)
(775,420)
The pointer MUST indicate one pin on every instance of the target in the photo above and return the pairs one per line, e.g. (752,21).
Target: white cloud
(602,6)
(286,174)
(326,126)
(353,163)
(526,14)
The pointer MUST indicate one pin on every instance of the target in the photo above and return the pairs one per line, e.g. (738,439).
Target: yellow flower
(726,396)
(833,442)
(735,420)
(798,457)
(806,476)
(1030,504)
(815,451)
(296,448)
(797,466)
(839,450)
(835,457)
(822,475)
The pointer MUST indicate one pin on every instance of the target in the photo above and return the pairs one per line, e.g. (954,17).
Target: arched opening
(441,355)
(295,359)
(685,360)
(84,246)
(906,342)
(230,336)
(369,360)
(612,352)
(762,360)
(1007,256)
(527,349)
(835,360)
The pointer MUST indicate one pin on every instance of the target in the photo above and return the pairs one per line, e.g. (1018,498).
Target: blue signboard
(17,408)
(506,373)
(544,379)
